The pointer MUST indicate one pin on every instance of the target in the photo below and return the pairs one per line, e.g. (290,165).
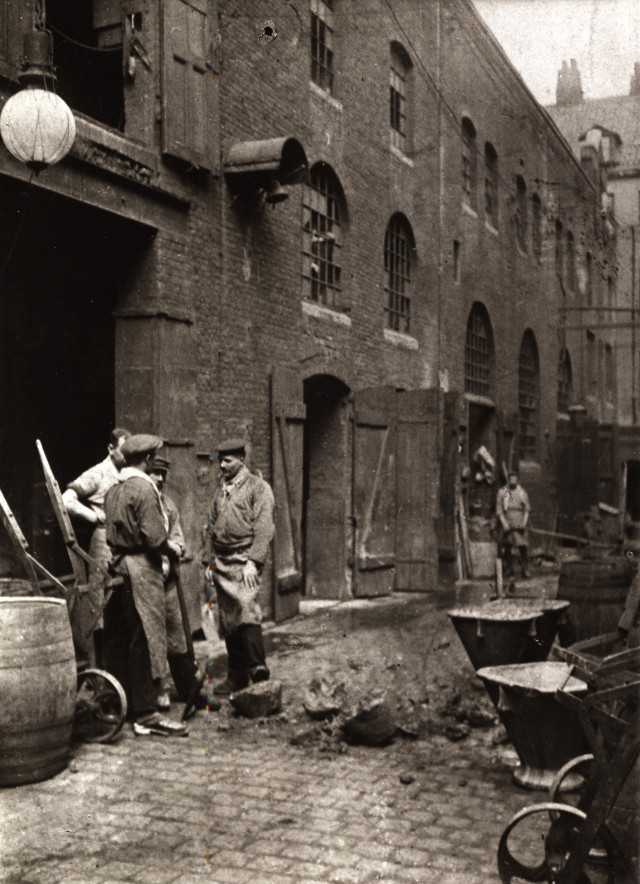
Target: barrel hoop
(33,729)
(18,662)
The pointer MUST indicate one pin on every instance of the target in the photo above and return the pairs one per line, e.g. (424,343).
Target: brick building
(612,126)
(401,304)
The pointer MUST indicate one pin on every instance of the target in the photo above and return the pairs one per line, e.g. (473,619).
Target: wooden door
(287,425)
(374,487)
(417,474)
(450,463)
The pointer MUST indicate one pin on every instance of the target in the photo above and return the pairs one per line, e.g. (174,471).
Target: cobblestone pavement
(241,804)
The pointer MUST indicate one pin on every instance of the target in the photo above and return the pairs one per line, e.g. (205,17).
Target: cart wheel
(557,845)
(563,773)
(101,707)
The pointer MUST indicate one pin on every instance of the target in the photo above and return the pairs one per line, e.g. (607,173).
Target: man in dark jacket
(241,527)
(134,619)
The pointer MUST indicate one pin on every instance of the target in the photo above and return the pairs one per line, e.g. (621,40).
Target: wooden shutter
(374,487)
(15,20)
(188,124)
(450,462)
(288,413)
(417,474)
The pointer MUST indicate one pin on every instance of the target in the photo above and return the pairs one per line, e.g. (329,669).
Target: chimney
(569,87)
(635,80)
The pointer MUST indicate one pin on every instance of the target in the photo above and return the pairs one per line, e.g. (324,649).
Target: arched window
(322,226)
(521,213)
(479,353)
(565,381)
(469,163)
(322,43)
(536,225)
(528,396)
(399,258)
(400,97)
(490,185)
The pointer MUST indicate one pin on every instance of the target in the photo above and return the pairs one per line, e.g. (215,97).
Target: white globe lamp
(36,125)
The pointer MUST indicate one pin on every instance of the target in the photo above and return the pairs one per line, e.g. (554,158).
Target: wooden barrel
(597,590)
(38,689)
(15,586)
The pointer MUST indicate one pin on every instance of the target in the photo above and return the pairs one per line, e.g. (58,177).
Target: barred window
(322,43)
(521,213)
(490,185)
(536,226)
(322,238)
(478,353)
(589,279)
(528,396)
(469,163)
(565,381)
(399,255)
(399,96)
(608,373)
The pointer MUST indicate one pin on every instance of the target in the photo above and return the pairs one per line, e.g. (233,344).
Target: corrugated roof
(620,114)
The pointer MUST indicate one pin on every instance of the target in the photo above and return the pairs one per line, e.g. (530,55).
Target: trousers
(126,652)
(245,653)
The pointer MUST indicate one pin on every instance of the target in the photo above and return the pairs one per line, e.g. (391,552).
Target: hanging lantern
(36,125)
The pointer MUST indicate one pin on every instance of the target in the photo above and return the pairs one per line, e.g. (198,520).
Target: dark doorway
(326,488)
(633,490)
(482,442)
(62,268)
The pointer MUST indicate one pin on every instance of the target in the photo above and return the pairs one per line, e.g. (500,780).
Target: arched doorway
(326,490)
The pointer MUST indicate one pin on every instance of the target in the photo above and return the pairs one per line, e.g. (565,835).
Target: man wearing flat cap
(241,528)
(134,618)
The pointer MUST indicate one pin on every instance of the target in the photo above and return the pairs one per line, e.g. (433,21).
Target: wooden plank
(417,476)
(62,516)
(18,541)
(374,488)
(287,424)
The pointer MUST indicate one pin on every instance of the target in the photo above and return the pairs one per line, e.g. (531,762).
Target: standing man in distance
(84,500)
(241,528)
(134,619)
(512,510)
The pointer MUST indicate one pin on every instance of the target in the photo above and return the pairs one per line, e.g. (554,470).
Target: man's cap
(232,446)
(139,444)
(161,464)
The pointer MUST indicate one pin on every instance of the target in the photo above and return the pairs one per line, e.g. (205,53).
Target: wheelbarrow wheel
(101,707)
(558,842)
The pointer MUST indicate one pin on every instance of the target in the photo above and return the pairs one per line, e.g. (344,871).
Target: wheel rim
(101,707)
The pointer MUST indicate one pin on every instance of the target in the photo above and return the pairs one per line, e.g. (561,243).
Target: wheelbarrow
(589,842)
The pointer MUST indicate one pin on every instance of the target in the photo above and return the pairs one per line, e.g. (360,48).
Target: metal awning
(281,158)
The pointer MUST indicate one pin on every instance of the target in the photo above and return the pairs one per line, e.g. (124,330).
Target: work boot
(155,725)
(164,701)
(259,673)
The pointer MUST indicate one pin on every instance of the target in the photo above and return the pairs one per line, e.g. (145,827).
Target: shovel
(198,680)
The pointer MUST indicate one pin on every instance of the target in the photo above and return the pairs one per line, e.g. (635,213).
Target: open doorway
(63,266)
(326,496)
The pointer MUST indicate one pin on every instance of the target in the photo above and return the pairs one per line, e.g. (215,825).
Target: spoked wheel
(557,845)
(101,707)
(569,770)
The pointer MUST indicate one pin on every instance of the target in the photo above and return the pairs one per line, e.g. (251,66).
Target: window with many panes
(559,252)
(536,225)
(521,213)
(565,381)
(608,373)
(528,396)
(399,95)
(322,238)
(571,261)
(478,353)
(322,43)
(399,257)
(469,163)
(490,185)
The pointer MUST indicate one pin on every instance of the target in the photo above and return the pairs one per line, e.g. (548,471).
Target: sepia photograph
(319,441)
